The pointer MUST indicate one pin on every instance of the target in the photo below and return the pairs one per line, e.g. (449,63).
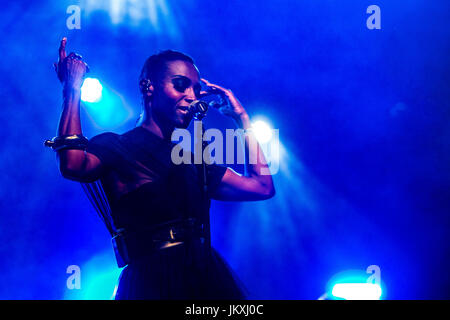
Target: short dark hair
(156,64)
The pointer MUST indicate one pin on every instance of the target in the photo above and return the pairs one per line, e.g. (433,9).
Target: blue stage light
(91,91)
(262,130)
(355,285)
(107,108)
(99,279)
(149,16)
(103,286)
(357,291)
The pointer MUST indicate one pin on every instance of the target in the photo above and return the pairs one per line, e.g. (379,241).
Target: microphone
(199,109)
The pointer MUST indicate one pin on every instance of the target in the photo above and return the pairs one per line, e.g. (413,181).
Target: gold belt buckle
(171,242)
(168,244)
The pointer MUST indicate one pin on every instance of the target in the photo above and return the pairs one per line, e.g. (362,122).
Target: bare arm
(257,183)
(74,164)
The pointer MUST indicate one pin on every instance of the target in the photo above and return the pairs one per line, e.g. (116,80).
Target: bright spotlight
(262,130)
(154,16)
(99,278)
(91,91)
(357,291)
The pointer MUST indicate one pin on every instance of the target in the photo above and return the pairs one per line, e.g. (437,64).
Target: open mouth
(184,110)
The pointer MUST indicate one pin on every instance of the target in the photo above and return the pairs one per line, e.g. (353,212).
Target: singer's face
(178,86)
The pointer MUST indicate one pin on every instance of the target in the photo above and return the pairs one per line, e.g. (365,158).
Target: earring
(145,84)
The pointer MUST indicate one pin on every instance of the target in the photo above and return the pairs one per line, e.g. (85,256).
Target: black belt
(130,245)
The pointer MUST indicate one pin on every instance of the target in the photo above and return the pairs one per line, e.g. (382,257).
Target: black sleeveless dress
(145,190)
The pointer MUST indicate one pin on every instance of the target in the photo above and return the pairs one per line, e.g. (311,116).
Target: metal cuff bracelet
(74,141)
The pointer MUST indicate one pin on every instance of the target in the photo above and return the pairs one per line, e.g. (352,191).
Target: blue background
(363,117)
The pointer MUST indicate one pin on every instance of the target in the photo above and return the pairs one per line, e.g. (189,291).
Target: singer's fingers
(209,91)
(209,84)
(215,86)
(203,94)
(62,49)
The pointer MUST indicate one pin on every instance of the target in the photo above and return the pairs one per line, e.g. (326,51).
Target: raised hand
(70,69)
